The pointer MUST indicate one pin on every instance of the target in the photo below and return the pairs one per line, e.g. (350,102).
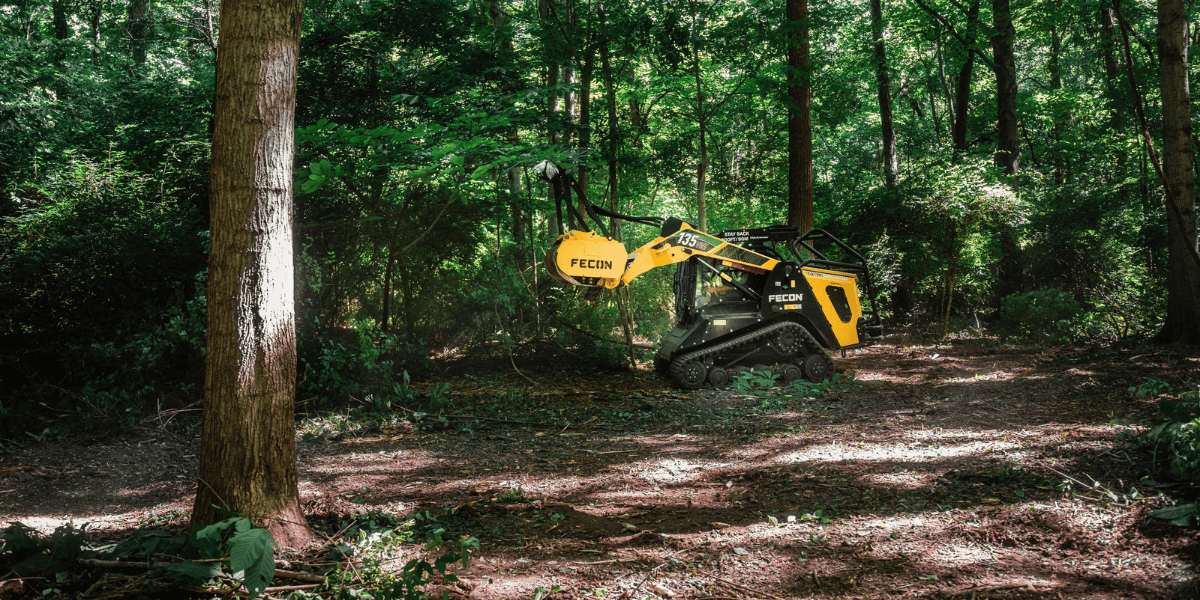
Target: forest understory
(965,469)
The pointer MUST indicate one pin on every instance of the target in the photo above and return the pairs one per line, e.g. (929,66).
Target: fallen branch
(122,564)
(489,419)
(596,337)
(290,588)
(745,590)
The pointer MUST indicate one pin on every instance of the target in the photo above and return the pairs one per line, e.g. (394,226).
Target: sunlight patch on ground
(838,452)
(679,443)
(962,553)
(904,480)
(993,376)
(142,517)
(672,470)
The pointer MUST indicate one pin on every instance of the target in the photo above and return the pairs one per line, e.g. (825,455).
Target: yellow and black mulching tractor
(740,302)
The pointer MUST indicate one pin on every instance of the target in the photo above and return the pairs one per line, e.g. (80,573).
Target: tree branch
(950,28)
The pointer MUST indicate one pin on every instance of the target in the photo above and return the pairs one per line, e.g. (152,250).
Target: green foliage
(759,382)
(26,552)
(509,496)
(1044,315)
(99,277)
(1181,515)
(362,363)
(377,541)
(424,202)
(247,554)
(147,544)
(1177,433)
(235,549)
(748,381)
(591,324)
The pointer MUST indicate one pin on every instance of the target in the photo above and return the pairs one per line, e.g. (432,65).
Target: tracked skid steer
(765,298)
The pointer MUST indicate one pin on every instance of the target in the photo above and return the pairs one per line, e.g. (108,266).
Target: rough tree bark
(962,91)
(891,161)
(800,174)
(62,26)
(136,27)
(1108,43)
(247,448)
(702,121)
(95,12)
(1008,154)
(1182,324)
(1060,120)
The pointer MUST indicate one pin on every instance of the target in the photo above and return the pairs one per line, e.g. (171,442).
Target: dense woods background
(987,156)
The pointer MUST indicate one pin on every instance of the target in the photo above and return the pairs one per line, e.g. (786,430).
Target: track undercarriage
(783,347)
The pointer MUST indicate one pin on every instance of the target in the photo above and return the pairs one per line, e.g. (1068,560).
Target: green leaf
(193,573)
(1183,514)
(252,553)
(33,565)
(207,541)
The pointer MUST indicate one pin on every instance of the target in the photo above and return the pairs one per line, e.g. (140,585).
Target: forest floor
(964,469)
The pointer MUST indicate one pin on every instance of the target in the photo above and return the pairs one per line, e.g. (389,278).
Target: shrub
(363,363)
(1045,315)
(1177,433)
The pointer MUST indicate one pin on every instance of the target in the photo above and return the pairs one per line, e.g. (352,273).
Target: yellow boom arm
(585,258)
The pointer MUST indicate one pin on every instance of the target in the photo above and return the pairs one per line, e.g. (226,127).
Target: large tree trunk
(891,161)
(247,447)
(800,173)
(1008,155)
(962,91)
(1182,324)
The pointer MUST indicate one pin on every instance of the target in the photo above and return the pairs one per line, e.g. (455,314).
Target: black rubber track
(811,346)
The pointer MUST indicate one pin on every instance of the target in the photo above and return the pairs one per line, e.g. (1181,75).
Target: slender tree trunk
(135,26)
(962,92)
(504,49)
(62,27)
(614,129)
(27,19)
(585,116)
(702,121)
(552,108)
(1111,72)
(97,11)
(891,161)
(1182,324)
(1060,171)
(800,174)
(247,447)
(1008,154)
(568,78)
(610,94)
(942,79)
(62,31)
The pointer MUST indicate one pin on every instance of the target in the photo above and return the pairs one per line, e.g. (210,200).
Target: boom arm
(573,258)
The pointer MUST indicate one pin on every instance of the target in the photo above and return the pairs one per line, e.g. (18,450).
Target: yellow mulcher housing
(739,303)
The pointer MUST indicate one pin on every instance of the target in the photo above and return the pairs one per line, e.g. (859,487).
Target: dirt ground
(968,469)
